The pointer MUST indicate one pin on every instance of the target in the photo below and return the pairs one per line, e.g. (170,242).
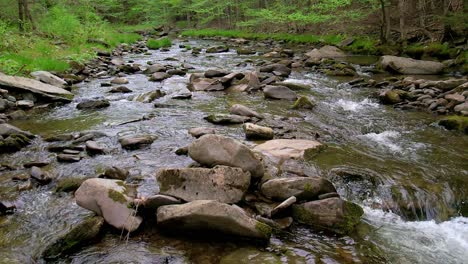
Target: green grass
(434,50)
(363,45)
(159,43)
(290,38)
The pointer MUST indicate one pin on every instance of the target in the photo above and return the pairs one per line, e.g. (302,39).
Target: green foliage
(363,46)
(291,38)
(61,23)
(159,43)
(435,50)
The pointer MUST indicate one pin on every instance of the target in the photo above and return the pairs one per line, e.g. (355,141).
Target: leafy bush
(159,43)
(61,23)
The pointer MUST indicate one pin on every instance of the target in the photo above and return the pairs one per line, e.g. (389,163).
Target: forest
(33,29)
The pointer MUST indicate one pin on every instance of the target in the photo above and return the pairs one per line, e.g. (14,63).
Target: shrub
(159,43)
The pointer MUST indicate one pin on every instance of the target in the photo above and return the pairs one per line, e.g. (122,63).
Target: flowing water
(410,175)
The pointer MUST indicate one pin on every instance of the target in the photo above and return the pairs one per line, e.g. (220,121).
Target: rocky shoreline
(231,189)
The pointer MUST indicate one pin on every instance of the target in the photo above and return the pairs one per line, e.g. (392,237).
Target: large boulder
(326,52)
(248,83)
(212,150)
(80,235)
(109,199)
(279,92)
(303,188)
(290,148)
(223,184)
(29,85)
(332,214)
(205,216)
(49,78)
(410,66)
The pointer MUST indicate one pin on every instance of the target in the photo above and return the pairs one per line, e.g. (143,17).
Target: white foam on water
(385,139)
(353,106)
(421,241)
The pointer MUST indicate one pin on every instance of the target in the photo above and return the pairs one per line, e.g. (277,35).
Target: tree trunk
(20,16)
(401,10)
(385,27)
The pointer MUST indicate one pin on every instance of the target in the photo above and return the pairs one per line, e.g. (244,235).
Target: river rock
(224,119)
(326,52)
(303,102)
(290,148)
(205,216)
(135,142)
(25,104)
(215,73)
(9,130)
(108,198)
(279,92)
(152,203)
(455,123)
(92,147)
(230,77)
(36,87)
(68,157)
(205,84)
(39,175)
(333,214)
(253,131)
(78,236)
(159,76)
(120,89)
(250,82)
(149,97)
(212,150)
(13,139)
(223,184)
(69,184)
(461,107)
(303,188)
(283,206)
(120,81)
(116,173)
(277,69)
(390,97)
(243,110)
(197,132)
(93,104)
(155,68)
(218,49)
(49,78)
(456,97)
(410,66)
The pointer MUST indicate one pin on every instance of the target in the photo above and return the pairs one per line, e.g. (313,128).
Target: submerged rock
(410,66)
(303,188)
(211,217)
(79,236)
(120,89)
(290,148)
(93,104)
(223,184)
(390,97)
(13,139)
(459,123)
(109,199)
(212,150)
(333,214)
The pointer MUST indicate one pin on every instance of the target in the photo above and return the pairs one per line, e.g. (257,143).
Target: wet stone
(225,119)
(39,175)
(116,173)
(92,147)
(68,158)
(201,131)
(36,164)
(135,142)
(93,104)
(120,89)
(7,207)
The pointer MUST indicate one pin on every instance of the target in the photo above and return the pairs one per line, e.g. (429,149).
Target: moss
(352,217)
(264,229)
(303,103)
(459,123)
(69,184)
(117,196)
(311,153)
(81,234)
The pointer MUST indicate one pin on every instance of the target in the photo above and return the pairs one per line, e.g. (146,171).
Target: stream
(410,175)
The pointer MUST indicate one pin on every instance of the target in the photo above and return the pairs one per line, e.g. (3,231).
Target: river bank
(381,158)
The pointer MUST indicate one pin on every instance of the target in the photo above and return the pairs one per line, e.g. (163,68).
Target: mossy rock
(459,123)
(264,229)
(78,236)
(117,196)
(303,103)
(69,184)
(332,214)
